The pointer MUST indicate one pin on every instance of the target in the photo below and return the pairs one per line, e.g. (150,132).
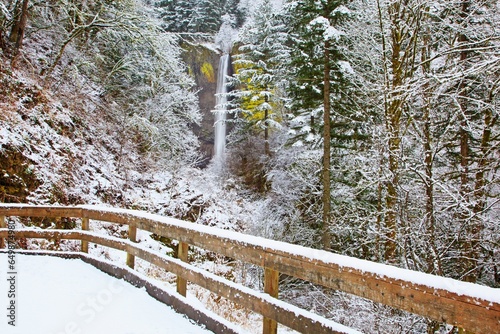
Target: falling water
(220,109)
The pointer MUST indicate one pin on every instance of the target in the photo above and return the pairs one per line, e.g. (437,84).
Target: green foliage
(312,24)
(176,14)
(201,16)
(208,71)
(257,65)
(317,43)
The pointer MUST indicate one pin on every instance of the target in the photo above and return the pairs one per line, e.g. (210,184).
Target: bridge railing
(470,306)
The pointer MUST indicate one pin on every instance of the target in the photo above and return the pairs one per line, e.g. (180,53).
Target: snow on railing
(470,306)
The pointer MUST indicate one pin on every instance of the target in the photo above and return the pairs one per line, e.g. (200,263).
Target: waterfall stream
(220,109)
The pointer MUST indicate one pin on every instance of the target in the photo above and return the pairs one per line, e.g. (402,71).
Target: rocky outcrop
(203,64)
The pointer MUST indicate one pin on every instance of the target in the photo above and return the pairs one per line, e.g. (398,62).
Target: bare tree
(399,52)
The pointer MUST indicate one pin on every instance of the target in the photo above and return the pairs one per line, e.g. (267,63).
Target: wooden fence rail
(469,306)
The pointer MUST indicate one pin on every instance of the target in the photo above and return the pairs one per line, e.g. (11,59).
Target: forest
(367,128)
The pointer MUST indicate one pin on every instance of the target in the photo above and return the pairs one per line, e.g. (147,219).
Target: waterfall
(220,109)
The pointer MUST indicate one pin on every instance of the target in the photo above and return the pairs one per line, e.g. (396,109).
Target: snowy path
(62,296)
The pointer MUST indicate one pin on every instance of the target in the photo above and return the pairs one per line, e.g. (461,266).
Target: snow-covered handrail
(469,306)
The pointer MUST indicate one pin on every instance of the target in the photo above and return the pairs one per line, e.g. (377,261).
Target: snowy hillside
(365,128)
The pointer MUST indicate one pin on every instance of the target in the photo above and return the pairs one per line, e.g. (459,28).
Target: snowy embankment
(56,296)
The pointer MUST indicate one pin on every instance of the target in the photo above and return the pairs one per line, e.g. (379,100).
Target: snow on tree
(257,65)
(321,87)
(200,16)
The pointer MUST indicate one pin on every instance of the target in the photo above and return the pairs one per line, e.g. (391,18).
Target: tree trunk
(480,193)
(404,32)
(381,181)
(2,43)
(19,24)
(266,129)
(433,261)
(392,187)
(380,210)
(470,239)
(393,120)
(326,151)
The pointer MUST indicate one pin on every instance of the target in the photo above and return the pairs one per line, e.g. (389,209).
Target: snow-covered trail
(63,296)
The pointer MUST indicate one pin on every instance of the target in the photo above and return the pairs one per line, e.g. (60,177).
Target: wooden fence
(465,305)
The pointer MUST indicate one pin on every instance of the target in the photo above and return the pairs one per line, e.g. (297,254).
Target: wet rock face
(203,65)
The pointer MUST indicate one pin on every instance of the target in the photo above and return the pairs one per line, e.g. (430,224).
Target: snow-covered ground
(61,296)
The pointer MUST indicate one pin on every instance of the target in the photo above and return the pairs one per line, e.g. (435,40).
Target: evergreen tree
(257,65)
(177,14)
(233,7)
(207,16)
(198,16)
(321,87)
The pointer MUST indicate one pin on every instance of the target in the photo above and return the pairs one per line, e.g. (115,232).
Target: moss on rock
(208,71)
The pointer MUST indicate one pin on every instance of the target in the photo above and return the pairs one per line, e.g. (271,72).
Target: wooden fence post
(132,235)
(2,225)
(271,282)
(85,227)
(182,254)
